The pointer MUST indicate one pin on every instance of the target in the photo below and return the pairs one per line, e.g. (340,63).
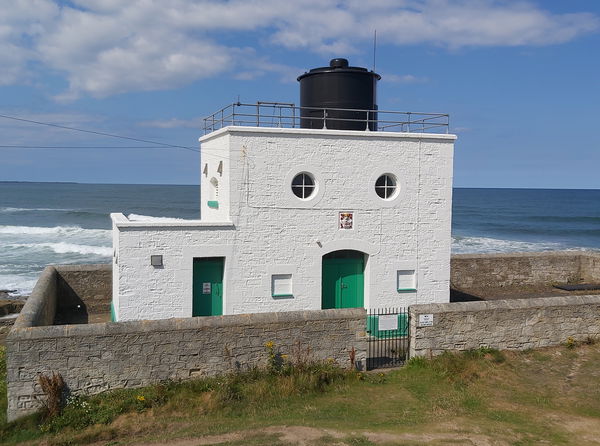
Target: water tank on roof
(338,86)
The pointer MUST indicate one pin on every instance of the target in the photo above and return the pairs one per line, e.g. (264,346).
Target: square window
(407,280)
(281,285)
(156,260)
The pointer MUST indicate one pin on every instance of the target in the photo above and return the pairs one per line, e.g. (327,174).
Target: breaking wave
(65,248)
(472,245)
(56,230)
(9,210)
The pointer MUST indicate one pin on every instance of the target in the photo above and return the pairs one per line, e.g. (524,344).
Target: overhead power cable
(94,132)
(18,146)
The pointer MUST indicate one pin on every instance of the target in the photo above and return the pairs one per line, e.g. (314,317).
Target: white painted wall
(263,229)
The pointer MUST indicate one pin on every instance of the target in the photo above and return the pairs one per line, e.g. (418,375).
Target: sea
(69,223)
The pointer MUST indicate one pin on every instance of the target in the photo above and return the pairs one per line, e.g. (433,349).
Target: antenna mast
(374,48)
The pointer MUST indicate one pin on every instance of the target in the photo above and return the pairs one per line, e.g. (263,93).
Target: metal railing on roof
(286,115)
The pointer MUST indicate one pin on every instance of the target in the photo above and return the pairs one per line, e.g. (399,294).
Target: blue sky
(520,80)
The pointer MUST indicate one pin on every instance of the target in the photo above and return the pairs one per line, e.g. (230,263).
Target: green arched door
(343,279)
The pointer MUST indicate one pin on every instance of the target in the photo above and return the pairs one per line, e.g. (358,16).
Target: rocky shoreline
(4,294)
(10,304)
(9,309)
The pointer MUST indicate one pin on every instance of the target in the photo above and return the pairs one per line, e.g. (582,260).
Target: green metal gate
(388,337)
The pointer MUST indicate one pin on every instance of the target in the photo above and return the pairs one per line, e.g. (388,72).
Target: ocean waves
(66,248)
(68,231)
(26,250)
(482,245)
(9,210)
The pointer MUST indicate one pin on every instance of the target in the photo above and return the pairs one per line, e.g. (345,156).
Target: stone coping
(508,304)
(193,323)
(83,267)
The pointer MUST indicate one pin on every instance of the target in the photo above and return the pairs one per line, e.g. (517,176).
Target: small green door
(343,280)
(208,286)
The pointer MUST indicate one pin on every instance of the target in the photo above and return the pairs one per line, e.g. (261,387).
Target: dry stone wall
(98,357)
(504,325)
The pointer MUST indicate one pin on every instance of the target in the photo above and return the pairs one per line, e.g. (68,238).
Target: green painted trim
(282,295)
(213,204)
(407,290)
(113,318)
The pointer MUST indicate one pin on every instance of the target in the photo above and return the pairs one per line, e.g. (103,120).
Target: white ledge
(325,132)
(120,221)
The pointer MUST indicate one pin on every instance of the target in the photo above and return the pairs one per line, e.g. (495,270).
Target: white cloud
(173,123)
(20,23)
(105,47)
(403,78)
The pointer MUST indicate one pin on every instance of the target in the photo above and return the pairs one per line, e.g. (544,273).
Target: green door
(343,280)
(208,286)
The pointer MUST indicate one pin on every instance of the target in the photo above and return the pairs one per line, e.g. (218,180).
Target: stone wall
(97,357)
(504,325)
(518,269)
(40,307)
(590,265)
(87,285)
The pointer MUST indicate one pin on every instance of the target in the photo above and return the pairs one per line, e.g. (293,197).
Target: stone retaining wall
(504,325)
(515,269)
(97,357)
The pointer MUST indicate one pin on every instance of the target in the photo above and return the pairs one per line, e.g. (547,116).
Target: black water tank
(338,86)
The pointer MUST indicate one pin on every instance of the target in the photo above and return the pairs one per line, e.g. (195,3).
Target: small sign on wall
(346,221)
(388,322)
(206,287)
(425,320)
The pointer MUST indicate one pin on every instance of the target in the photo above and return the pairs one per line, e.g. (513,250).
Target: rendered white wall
(215,153)
(266,230)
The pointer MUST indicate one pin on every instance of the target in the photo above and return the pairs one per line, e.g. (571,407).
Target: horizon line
(180,184)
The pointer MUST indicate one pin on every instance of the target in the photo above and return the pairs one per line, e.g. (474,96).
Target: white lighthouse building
(333,204)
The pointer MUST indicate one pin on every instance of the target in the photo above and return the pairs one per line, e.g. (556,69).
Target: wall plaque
(346,221)
(425,320)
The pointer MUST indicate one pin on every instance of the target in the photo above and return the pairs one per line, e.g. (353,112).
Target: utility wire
(15,146)
(93,132)
(205,153)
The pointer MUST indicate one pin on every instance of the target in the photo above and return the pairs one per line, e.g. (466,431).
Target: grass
(546,396)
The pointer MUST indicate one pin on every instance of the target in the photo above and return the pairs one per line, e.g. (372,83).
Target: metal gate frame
(388,337)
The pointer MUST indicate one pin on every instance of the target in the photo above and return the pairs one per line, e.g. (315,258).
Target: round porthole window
(303,185)
(386,186)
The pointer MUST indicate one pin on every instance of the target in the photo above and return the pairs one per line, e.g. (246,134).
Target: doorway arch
(342,279)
